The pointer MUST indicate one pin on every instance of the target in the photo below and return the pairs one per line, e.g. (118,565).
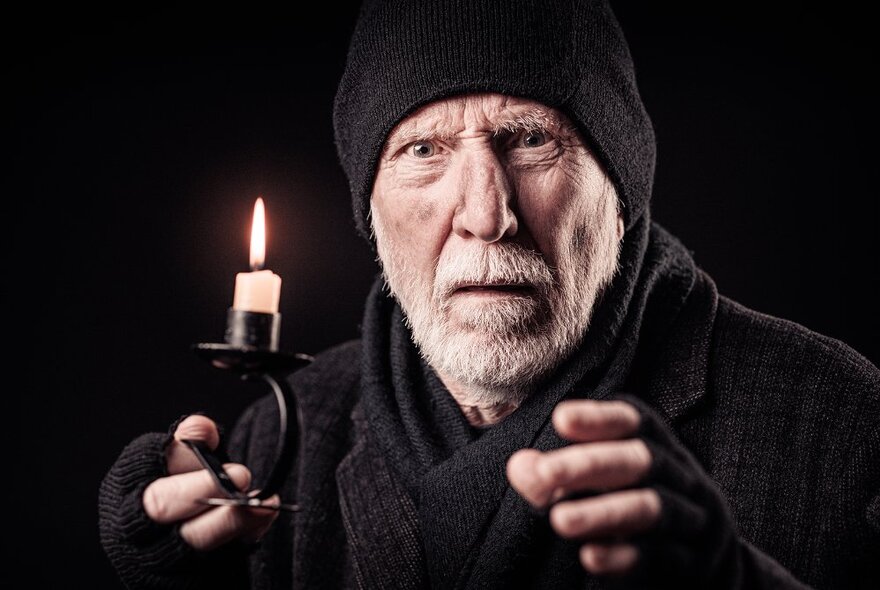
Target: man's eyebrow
(411,133)
(531,120)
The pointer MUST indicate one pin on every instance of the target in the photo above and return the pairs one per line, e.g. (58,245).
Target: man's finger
(176,497)
(542,478)
(610,559)
(614,514)
(521,474)
(196,427)
(594,466)
(592,420)
(225,523)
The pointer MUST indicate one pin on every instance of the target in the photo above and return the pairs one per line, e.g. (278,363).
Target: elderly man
(548,392)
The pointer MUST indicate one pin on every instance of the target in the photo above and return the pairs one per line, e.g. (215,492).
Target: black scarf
(475,530)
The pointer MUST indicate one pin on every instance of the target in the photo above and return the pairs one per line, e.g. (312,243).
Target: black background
(140,144)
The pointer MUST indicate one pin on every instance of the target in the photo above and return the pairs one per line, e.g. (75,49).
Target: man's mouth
(492,288)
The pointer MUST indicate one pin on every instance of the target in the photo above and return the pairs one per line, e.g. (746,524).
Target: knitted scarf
(475,530)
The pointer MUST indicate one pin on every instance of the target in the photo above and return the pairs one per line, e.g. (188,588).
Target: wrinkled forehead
(485,112)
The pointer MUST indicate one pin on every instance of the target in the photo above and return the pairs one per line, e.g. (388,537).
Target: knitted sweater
(783,421)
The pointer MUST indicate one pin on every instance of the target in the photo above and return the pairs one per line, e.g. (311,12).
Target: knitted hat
(566,54)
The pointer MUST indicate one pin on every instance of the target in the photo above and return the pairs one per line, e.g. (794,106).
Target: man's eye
(422,149)
(531,139)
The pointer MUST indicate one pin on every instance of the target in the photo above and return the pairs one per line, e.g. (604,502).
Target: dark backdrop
(140,145)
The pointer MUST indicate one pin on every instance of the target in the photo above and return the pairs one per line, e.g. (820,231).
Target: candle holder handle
(272,367)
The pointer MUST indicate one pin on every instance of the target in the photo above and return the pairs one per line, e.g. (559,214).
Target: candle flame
(258,236)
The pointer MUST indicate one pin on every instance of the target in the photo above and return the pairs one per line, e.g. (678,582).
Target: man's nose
(486,196)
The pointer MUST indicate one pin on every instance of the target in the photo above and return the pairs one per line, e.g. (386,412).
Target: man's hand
(630,492)
(607,458)
(176,498)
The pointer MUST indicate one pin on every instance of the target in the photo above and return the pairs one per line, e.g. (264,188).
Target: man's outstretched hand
(635,498)
(176,498)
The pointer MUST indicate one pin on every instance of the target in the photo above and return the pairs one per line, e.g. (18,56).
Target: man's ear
(620,227)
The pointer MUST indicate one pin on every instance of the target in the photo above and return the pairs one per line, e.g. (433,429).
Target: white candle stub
(258,291)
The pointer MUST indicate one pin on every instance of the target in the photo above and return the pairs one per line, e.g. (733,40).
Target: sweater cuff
(137,546)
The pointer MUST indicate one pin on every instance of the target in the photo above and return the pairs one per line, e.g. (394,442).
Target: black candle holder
(250,350)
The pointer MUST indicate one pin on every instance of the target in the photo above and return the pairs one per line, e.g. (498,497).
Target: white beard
(500,350)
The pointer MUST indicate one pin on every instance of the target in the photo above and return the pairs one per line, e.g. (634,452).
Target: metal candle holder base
(251,351)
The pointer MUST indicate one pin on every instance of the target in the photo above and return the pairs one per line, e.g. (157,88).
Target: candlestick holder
(250,350)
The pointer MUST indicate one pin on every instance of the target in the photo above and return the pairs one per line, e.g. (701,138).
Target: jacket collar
(671,368)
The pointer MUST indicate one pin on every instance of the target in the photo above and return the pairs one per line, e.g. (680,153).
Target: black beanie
(566,54)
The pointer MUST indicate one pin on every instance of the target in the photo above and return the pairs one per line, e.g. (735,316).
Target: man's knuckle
(589,463)
(555,470)
(610,514)
(156,503)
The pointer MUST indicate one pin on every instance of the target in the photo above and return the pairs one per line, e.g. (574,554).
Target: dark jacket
(785,421)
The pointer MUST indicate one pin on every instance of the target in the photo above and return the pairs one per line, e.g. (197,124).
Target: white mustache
(498,264)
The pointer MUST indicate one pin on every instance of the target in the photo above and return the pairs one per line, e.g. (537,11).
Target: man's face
(496,229)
